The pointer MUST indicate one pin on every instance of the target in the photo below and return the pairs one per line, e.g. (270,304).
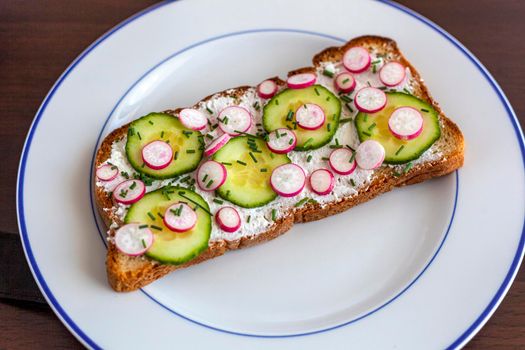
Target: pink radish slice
(310,116)
(106,172)
(235,120)
(267,89)
(345,82)
(322,181)
(133,239)
(288,180)
(228,219)
(302,80)
(129,191)
(193,119)
(370,100)
(357,59)
(392,74)
(180,217)
(216,144)
(341,160)
(281,141)
(211,175)
(405,123)
(370,155)
(157,154)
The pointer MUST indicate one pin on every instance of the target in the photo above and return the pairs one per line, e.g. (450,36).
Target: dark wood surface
(38,39)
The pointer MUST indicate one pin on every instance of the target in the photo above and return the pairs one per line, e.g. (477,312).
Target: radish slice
(235,120)
(392,74)
(106,172)
(288,180)
(370,100)
(228,219)
(267,89)
(322,181)
(216,144)
(157,154)
(211,175)
(342,161)
(302,80)
(310,116)
(193,119)
(357,59)
(133,239)
(180,217)
(129,191)
(281,141)
(370,155)
(345,82)
(405,123)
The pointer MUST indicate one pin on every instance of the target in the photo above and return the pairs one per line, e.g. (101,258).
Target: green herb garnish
(301,202)
(151,216)
(400,149)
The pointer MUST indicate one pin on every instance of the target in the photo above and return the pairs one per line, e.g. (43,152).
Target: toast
(128,273)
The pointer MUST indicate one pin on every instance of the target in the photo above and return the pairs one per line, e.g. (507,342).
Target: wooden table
(38,39)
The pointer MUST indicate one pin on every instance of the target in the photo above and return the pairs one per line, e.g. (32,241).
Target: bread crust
(127,273)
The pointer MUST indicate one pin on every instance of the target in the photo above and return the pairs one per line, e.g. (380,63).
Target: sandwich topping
(237,163)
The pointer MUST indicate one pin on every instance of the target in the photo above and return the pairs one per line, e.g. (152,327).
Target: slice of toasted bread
(127,273)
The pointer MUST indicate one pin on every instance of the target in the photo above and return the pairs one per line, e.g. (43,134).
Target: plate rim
(87,341)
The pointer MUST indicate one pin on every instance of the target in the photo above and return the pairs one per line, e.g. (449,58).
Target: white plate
(420,267)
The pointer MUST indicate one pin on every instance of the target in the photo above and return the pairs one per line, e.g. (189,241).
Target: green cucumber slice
(277,115)
(187,144)
(375,126)
(248,182)
(172,247)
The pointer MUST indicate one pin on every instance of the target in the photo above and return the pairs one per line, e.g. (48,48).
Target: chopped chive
(346,80)
(328,73)
(367,133)
(365,118)
(187,133)
(253,157)
(182,194)
(228,193)
(176,155)
(143,243)
(345,120)
(328,98)
(308,142)
(372,126)
(225,120)
(167,141)
(336,141)
(131,131)
(241,162)
(138,134)
(277,102)
(218,201)
(352,182)
(143,226)
(256,105)
(400,149)
(351,160)
(374,68)
(317,92)
(162,134)
(274,214)
(248,218)
(425,110)
(375,62)
(345,98)
(406,91)
(189,151)
(263,170)
(382,88)
(124,174)
(324,158)
(335,146)
(204,178)
(151,216)
(368,83)
(214,126)
(226,163)
(209,183)
(349,107)
(156,227)
(291,141)
(209,110)
(301,202)
(309,158)
(143,165)
(160,215)
(133,185)
(209,136)
(289,116)
(185,178)
(272,156)
(149,121)
(328,127)
(408,167)
(277,135)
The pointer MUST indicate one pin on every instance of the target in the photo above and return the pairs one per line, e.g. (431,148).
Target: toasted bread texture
(126,273)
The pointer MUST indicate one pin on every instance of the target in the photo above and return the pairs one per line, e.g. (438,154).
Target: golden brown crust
(130,273)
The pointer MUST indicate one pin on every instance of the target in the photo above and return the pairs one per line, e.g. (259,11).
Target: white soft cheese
(261,218)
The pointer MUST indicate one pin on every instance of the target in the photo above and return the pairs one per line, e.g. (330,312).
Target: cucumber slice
(375,126)
(187,144)
(248,182)
(172,247)
(277,115)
